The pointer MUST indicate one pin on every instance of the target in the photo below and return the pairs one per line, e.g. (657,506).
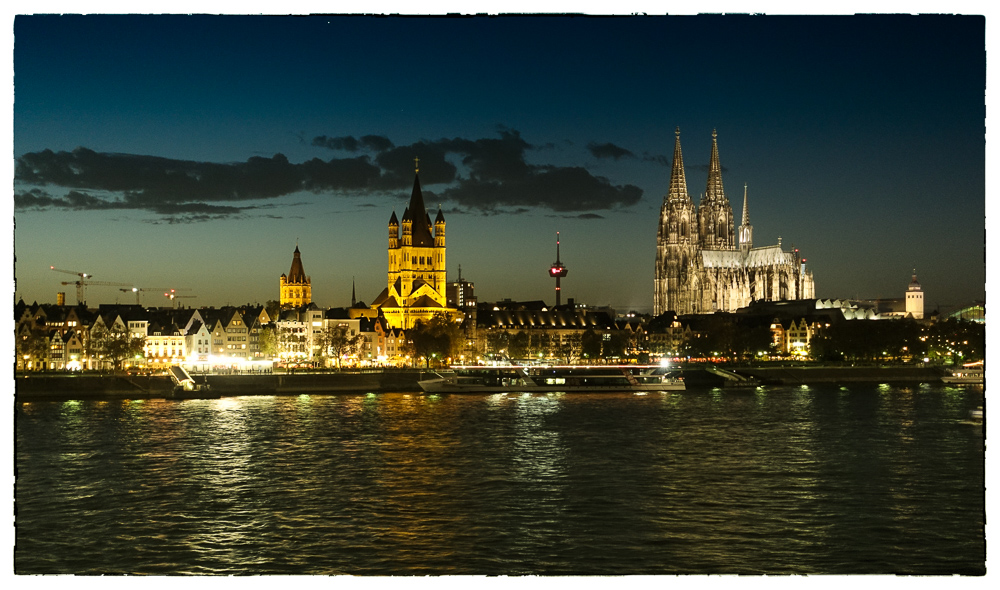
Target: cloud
(374,143)
(558,189)
(608,150)
(660,159)
(490,175)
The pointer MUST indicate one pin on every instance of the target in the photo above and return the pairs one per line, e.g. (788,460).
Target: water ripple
(781,480)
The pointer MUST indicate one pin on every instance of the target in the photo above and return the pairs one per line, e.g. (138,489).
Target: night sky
(195,151)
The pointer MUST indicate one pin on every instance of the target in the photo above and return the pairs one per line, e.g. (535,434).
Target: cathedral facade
(704,265)
(417,277)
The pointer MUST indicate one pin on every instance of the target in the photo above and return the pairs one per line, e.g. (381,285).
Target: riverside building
(703,265)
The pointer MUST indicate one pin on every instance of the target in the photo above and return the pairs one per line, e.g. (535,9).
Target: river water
(820,479)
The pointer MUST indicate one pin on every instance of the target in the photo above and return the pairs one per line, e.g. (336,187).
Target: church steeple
(716,227)
(678,182)
(420,231)
(297,274)
(714,191)
(746,230)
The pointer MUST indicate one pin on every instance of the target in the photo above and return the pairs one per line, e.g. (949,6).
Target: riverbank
(70,386)
(795,375)
(83,386)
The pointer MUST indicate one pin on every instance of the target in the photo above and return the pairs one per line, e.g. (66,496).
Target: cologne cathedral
(703,265)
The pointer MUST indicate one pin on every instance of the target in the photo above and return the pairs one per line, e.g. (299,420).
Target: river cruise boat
(544,379)
(972,375)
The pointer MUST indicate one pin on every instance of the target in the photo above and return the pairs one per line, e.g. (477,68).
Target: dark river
(778,480)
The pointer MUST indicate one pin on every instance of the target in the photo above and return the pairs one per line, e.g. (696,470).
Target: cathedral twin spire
(715,215)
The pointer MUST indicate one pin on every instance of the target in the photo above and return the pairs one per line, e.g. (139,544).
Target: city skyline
(862,138)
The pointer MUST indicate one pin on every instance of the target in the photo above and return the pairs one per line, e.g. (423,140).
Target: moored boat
(972,375)
(560,378)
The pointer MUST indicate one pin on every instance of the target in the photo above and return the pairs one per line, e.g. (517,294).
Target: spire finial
(416,164)
(714,134)
(677,131)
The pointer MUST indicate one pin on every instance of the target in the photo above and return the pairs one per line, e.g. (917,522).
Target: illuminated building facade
(417,279)
(915,299)
(703,265)
(296,287)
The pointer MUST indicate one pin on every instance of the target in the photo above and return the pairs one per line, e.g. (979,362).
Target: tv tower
(557,270)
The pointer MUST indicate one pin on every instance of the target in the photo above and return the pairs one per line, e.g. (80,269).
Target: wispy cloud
(608,150)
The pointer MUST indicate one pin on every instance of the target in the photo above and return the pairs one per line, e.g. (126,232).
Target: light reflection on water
(819,479)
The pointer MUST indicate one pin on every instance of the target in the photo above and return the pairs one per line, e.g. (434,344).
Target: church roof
(425,301)
(296,274)
(440,216)
(758,257)
(421,229)
(381,298)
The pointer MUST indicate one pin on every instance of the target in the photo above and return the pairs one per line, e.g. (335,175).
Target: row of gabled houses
(56,337)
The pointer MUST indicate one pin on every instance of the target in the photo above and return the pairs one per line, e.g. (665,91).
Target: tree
(335,342)
(749,340)
(569,347)
(439,338)
(34,345)
(616,345)
(267,341)
(118,345)
(590,345)
(497,343)
(519,343)
(272,308)
(540,344)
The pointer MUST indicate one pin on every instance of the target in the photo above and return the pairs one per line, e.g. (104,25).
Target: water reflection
(827,479)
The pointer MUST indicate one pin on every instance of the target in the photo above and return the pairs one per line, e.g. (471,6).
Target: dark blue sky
(193,151)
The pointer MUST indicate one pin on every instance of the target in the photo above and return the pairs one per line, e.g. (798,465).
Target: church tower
(746,230)
(715,214)
(417,278)
(676,243)
(915,299)
(295,287)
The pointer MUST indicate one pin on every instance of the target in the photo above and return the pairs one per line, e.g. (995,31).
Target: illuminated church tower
(676,242)
(715,214)
(417,277)
(915,299)
(296,287)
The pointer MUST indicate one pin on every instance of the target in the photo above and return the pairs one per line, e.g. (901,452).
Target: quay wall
(75,386)
(70,386)
(807,374)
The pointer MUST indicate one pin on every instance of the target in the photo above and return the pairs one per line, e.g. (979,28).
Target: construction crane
(81,285)
(174,297)
(139,290)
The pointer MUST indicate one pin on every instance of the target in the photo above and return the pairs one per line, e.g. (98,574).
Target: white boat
(965,375)
(558,378)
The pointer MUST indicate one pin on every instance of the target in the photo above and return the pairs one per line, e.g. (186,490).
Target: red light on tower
(557,270)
